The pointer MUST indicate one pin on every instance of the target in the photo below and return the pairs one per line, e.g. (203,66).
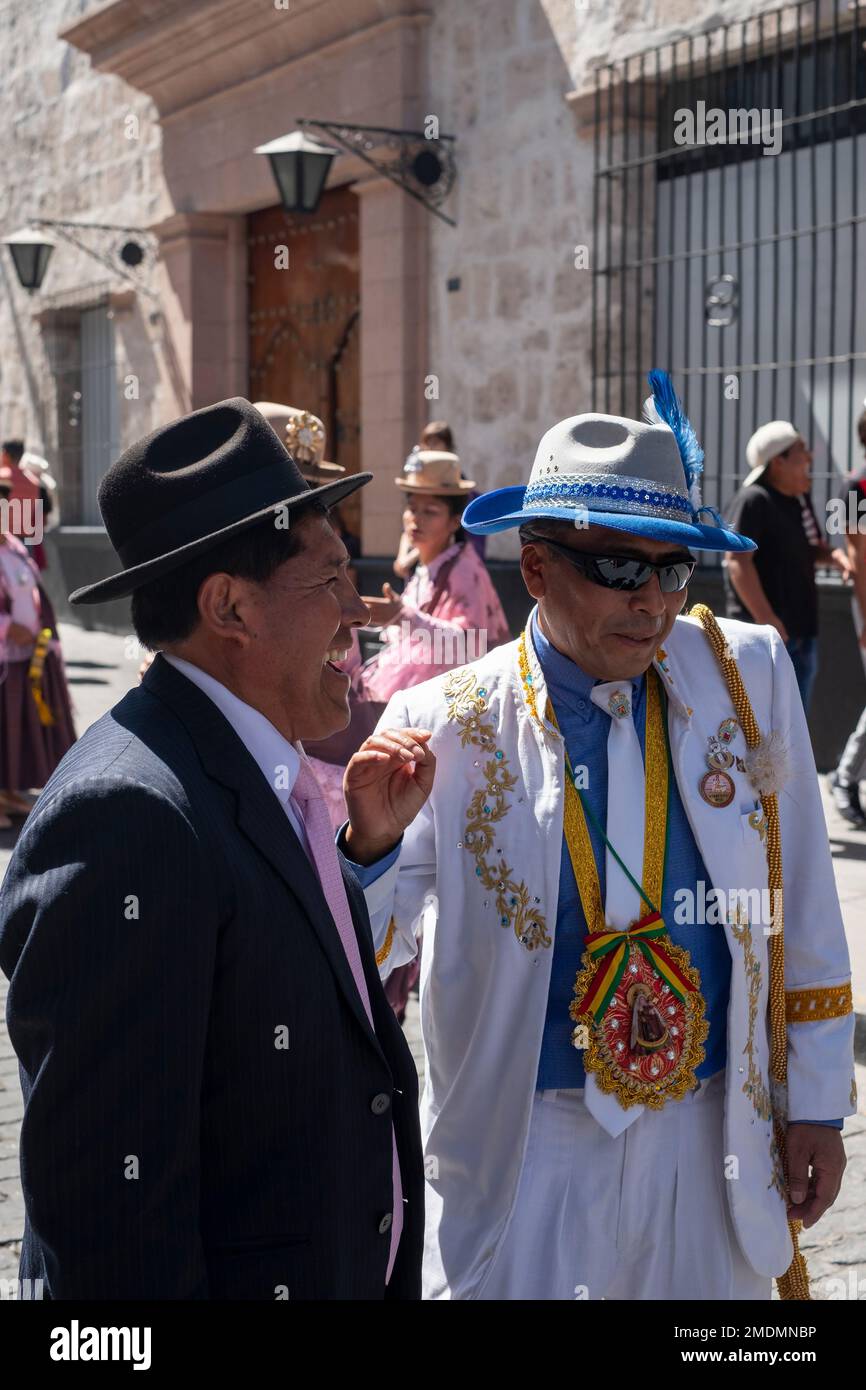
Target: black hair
(456,507)
(166,609)
(439,429)
(542,528)
(14,448)
(861,430)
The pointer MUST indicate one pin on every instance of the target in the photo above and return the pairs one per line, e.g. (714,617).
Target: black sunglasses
(624,571)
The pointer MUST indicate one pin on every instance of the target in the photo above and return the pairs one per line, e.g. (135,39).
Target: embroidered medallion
(645,1044)
(638,1009)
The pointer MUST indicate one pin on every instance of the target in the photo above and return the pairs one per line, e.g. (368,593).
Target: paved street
(102,666)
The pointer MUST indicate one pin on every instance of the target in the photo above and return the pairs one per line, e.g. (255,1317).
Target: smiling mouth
(335,655)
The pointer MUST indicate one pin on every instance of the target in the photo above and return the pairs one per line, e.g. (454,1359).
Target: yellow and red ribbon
(646,935)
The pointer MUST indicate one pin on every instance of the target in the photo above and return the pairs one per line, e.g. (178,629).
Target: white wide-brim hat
(640,477)
(765,444)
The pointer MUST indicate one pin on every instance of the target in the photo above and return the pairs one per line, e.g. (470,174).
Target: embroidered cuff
(815,1005)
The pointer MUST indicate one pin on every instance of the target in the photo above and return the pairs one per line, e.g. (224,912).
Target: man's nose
(355,611)
(649,597)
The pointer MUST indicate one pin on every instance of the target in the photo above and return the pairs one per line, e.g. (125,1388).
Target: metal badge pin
(717,788)
(619,704)
(719,758)
(727,730)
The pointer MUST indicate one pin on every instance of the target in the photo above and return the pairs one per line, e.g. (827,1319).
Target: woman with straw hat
(36,726)
(449,613)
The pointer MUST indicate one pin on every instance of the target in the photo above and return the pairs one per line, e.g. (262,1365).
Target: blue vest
(585,729)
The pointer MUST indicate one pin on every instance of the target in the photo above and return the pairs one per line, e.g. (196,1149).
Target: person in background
(450,593)
(29,484)
(845,779)
(438,437)
(776,585)
(42,468)
(36,726)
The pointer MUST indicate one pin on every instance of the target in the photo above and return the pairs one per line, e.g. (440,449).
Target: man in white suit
(633,1090)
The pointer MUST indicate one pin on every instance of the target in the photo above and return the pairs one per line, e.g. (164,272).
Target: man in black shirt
(845,779)
(775,585)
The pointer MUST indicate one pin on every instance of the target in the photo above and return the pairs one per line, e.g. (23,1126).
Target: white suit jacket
(479,873)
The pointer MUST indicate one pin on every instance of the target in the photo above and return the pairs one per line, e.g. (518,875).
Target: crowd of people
(307,782)
(36,725)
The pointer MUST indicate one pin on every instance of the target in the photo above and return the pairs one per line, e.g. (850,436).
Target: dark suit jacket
(165,936)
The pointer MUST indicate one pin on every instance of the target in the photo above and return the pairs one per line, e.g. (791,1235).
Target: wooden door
(304,321)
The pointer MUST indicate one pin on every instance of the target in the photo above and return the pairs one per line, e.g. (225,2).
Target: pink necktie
(317,822)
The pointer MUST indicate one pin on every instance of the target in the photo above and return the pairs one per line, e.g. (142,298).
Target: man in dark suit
(219,1103)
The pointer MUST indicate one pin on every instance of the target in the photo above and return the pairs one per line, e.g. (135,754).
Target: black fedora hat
(192,484)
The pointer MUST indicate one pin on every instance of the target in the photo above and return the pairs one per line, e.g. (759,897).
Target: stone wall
(80,145)
(511,346)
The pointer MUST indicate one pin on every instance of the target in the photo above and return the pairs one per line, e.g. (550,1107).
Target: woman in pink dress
(36,727)
(448,614)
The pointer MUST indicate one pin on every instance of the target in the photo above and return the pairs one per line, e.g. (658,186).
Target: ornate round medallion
(645,1048)
(717,788)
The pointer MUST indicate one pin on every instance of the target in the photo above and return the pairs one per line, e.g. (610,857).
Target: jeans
(852,764)
(803,652)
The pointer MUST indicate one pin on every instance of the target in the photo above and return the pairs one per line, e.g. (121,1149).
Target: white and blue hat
(642,477)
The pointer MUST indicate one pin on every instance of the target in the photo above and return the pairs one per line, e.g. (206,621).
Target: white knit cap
(765,444)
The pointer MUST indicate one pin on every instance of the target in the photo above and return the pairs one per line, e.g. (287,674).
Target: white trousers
(642,1216)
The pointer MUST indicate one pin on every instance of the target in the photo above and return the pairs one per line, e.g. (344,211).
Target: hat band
(631,495)
(219,507)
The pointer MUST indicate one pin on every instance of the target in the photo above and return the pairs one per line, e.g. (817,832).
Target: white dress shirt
(278,759)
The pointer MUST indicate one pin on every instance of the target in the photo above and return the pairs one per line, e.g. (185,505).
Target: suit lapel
(260,816)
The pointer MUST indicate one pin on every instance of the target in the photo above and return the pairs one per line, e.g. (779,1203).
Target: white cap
(765,444)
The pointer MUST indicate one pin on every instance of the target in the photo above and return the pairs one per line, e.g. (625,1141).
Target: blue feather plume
(669,410)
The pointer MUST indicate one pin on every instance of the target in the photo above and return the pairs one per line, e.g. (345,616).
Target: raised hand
(386,783)
(383,610)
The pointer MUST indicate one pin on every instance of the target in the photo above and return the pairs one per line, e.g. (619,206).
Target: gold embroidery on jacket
(753,1086)
(384,950)
(489,806)
(814,1005)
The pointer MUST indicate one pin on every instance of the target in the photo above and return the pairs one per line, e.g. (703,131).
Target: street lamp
(30,252)
(31,249)
(300,167)
(421,164)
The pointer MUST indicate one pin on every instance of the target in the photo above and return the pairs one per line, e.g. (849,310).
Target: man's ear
(532,571)
(218,598)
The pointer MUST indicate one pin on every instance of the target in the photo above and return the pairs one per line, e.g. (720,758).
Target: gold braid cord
(34,675)
(794,1283)
(384,950)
